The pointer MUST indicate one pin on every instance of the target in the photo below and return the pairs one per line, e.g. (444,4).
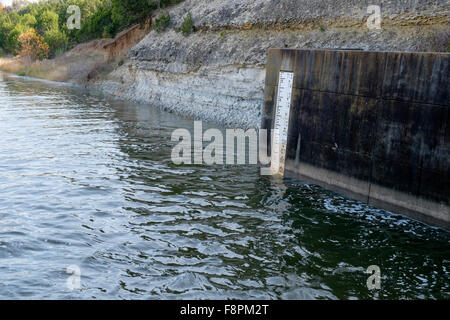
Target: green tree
(6,25)
(28,20)
(48,20)
(119,14)
(139,10)
(99,21)
(12,41)
(56,39)
(99,18)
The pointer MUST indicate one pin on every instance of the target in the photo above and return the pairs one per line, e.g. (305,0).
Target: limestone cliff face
(217,73)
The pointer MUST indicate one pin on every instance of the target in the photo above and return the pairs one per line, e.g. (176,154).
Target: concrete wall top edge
(272,50)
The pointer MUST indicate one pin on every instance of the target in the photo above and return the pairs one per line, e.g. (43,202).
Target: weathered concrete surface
(372,124)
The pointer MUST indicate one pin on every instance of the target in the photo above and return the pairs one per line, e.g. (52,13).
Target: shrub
(100,23)
(48,21)
(59,51)
(188,25)
(137,10)
(33,46)
(56,40)
(12,41)
(161,23)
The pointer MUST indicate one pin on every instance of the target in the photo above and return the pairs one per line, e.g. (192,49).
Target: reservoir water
(89,183)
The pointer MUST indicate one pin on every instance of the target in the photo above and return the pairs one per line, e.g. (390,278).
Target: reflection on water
(89,182)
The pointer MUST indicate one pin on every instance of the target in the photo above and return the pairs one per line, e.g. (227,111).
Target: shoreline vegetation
(36,42)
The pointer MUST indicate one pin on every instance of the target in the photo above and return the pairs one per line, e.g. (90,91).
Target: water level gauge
(281,126)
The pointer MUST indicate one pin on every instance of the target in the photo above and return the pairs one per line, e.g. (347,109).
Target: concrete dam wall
(217,73)
(372,125)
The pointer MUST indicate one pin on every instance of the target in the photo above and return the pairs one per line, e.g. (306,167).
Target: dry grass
(75,69)
(11,65)
(46,69)
(80,65)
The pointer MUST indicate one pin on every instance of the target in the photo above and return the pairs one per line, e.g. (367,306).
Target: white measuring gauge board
(281,126)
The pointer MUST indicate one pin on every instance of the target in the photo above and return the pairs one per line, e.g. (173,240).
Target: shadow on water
(88,181)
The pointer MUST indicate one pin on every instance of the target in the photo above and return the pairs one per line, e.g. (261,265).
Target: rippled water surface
(89,182)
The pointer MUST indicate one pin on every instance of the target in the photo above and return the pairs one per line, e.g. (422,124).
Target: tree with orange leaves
(33,46)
